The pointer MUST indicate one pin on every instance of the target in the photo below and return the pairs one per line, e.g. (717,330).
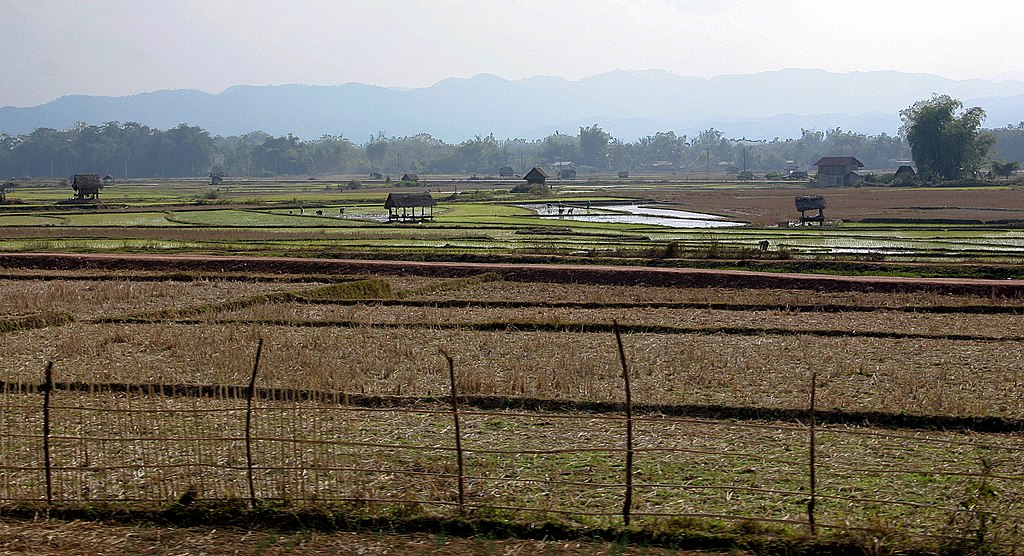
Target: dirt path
(59,538)
(583,274)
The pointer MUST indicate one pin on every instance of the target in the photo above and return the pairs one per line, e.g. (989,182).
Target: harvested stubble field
(378,432)
(88,299)
(917,376)
(663,319)
(767,206)
(545,464)
(539,293)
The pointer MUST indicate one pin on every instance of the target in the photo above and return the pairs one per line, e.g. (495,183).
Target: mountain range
(627,104)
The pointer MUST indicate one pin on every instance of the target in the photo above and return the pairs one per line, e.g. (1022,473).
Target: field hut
(805,203)
(402,207)
(411,177)
(905,175)
(536,176)
(567,174)
(87,186)
(216,178)
(506,172)
(623,175)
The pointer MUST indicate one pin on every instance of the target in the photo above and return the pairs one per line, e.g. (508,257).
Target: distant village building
(623,175)
(108,179)
(376,176)
(567,174)
(402,207)
(506,172)
(216,178)
(87,186)
(410,177)
(805,203)
(792,171)
(536,176)
(905,175)
(836,171)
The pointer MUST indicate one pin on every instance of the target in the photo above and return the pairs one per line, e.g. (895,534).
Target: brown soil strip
(610,275)
(177,277)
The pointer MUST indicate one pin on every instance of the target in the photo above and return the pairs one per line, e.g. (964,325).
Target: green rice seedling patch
(255,219)
(120,219)
(87,245)
(32,220)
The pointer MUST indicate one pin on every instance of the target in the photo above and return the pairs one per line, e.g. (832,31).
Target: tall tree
(559,147)
(593,144)
(377,150)
(1005,169)
(944,144)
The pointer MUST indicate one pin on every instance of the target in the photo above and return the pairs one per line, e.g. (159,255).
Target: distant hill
(628,104)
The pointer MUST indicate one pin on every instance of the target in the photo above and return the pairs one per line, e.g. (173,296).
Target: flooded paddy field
(639,219)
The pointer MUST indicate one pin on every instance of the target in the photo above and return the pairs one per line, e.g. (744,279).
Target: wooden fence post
(628,504)
(250,392)
(813,499)
(458,431)
(47,465)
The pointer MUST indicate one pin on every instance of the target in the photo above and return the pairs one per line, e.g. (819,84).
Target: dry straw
(178,429)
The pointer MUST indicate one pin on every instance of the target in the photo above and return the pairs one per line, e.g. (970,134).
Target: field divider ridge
(697,305)
(576,327)
(695,413)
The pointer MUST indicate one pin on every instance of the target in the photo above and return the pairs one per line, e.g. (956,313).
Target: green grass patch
(41,320)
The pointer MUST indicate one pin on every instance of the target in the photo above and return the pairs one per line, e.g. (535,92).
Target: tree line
(134,150)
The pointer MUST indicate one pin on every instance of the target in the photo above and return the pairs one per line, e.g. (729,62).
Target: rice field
(353,406)
(653,221)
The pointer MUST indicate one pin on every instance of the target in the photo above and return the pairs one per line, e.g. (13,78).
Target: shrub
(531,188)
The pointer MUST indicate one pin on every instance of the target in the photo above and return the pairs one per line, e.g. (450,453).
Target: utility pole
(707,154)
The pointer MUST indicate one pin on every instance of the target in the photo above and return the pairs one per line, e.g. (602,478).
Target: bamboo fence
(146,443)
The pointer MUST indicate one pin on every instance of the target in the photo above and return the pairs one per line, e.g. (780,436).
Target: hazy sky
(50,48)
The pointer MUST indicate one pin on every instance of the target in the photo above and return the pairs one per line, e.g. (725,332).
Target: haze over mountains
(627,104)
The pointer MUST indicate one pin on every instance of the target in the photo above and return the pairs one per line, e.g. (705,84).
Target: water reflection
(629,214)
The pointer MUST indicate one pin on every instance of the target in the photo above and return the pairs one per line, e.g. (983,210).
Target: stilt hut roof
(810,202)
(408,200)
(86,183)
